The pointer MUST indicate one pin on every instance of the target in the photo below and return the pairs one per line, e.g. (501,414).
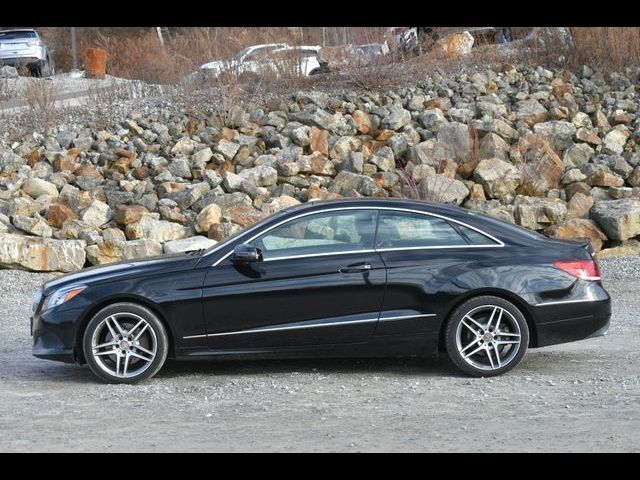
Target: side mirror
(245,253)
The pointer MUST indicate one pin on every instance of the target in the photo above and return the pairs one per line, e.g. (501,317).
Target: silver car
(25,48)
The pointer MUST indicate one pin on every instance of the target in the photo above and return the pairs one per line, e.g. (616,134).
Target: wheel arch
(496,292)
(86,317)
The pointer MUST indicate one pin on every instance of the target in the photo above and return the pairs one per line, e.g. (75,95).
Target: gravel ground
(583,396)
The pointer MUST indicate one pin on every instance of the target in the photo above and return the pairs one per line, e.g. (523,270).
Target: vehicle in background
(244,57)
(267,58)
(419,40)
(25,48)
(336,57)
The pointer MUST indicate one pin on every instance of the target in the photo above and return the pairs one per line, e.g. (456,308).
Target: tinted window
(327,232)
(17,35)
(404,230)
(475,237)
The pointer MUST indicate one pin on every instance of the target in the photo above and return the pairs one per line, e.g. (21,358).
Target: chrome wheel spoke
(118,365)
(148,352)
(506,342)
(137,355)
(497,352)
(474,342)
(108,344)
(107,352)
(126,364)
(121,331)
(113,333)
(135,339)
(497,325)
(474,351)
(507,334)
(468,317)
(475,331)
(488,350)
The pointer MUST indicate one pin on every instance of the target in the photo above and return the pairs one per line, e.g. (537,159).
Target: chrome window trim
(498,244)
(317,325)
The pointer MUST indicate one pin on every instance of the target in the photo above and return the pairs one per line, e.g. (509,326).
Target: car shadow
(340,366)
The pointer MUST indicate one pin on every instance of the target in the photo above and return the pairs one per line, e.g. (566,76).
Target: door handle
(358,267)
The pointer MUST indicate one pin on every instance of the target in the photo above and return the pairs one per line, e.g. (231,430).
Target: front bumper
(54,334)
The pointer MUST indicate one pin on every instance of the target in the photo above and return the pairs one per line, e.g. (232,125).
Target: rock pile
(548,150)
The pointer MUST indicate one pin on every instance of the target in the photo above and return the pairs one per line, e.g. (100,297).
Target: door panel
(287,299)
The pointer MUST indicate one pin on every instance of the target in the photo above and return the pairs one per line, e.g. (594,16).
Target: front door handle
(355,268)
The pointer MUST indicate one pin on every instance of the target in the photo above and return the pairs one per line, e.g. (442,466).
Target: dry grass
(41,98)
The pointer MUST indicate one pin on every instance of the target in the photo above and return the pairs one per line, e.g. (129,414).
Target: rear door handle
(355,268)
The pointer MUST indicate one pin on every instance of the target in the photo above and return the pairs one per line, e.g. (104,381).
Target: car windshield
(16,34)
(241,53)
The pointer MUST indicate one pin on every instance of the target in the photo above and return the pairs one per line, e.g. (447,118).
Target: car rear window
(17,35)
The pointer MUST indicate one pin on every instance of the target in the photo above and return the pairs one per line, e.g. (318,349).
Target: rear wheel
(486,336)
(125,343)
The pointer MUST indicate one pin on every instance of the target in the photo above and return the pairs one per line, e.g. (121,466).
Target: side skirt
(389,346)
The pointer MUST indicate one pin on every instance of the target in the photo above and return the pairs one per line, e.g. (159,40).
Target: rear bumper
(572,329)
(29,62)
(585,314)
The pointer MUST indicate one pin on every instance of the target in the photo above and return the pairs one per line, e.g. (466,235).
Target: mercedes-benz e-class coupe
(347,278)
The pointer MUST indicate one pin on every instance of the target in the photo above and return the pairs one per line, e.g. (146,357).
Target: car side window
(320,233)
(406,230)
(475,237)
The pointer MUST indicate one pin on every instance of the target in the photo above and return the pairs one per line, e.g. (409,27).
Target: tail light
(582,269)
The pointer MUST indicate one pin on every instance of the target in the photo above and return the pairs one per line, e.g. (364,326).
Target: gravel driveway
(583,396)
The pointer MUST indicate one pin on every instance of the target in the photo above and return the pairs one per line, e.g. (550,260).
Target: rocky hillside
(550,151)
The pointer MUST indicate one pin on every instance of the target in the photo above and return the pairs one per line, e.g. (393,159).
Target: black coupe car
(347,278)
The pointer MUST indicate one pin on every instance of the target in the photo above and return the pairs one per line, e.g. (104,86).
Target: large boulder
(209,215)
(41,254)
(152,229)
(619,219)
(538,213)
(499,178)
(188,244)
(531,111)
(109,252)
(442,189)
(35,187)
(491,207)
(96,214)
(559,134)
(351,184)
(579,228)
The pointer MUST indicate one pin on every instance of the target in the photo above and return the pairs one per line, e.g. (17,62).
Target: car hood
(124,269)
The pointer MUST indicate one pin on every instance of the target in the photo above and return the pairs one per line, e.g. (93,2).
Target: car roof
(19,30)
(444,209)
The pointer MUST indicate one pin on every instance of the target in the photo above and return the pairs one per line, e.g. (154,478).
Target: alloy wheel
(124,345)
(488,337)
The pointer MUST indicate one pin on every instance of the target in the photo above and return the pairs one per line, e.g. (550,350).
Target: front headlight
(36,300)
(63,295)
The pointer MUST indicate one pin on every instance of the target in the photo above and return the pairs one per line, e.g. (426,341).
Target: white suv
(25,48)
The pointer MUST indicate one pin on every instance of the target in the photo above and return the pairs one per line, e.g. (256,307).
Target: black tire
(490,347)
(126,314)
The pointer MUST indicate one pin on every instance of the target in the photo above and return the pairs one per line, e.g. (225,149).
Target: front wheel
(125,343)
(486,336)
